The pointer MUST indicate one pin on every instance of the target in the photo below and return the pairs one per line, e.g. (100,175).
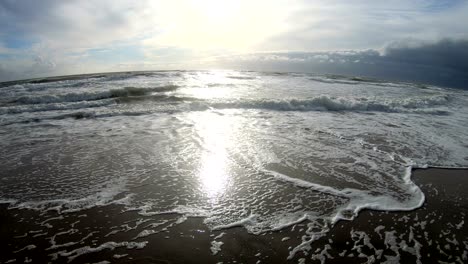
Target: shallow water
(258,150)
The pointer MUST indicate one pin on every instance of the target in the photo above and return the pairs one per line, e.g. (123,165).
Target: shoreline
(434,232)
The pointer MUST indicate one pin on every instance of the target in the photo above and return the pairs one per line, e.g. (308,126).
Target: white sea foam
(73,254)
(8,201)
(243,222)
(216,247)
(117,256)
(360,199)
(102,262)
(28,247)
(219,236)
(100,198)
(289,220)
(183,210)
(145,233)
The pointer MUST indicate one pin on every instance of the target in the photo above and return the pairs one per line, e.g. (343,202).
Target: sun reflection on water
(209,85)
(213,172)
(214,169)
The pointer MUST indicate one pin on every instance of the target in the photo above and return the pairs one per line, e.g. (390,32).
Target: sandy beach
(433,233)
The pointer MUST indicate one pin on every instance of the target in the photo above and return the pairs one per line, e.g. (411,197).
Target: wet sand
(433,233)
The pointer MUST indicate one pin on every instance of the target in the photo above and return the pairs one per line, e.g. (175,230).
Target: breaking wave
(434,105)
(326,103)
(53,107)
(92,96)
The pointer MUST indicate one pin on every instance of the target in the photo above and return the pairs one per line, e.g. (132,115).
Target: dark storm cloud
(450,54)
(443,63)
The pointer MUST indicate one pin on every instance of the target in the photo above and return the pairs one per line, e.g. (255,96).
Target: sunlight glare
(209,85)
(214,170)
(217,11)
(216,25)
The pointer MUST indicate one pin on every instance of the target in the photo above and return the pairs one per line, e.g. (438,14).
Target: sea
(257,150)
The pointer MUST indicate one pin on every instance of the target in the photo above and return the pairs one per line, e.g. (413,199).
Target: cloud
(64,33)
(336,24)
(65,24)
(444,62)
(306,25)
(4,50)
(179,31)
(447,53)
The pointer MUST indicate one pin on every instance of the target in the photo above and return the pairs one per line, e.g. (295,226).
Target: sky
(414,40)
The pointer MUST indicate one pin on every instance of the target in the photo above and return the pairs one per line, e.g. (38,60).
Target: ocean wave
(435,105)
(91,96)
(242,77)
(78,115)
(93,115)
(326,103)
(53,107)
(155,98)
